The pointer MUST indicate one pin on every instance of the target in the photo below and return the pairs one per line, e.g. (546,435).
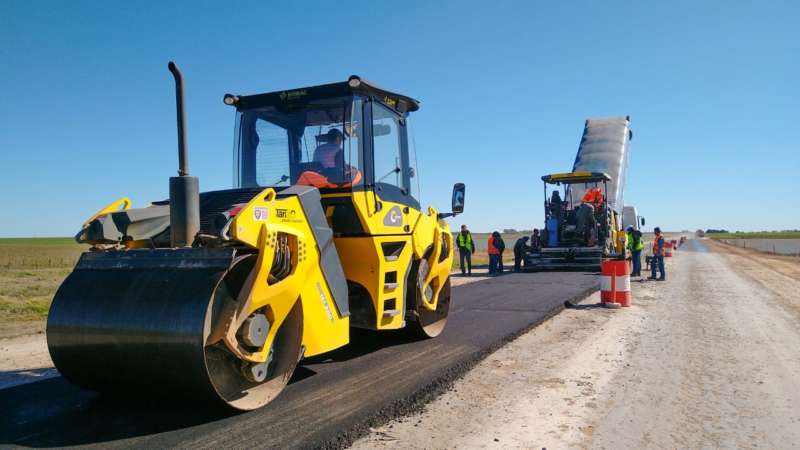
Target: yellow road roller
(218,295)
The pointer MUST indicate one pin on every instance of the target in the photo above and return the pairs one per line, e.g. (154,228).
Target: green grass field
(481,257)
(31,269)
(756,235)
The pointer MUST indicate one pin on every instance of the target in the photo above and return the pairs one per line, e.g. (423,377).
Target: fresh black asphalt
(330,401)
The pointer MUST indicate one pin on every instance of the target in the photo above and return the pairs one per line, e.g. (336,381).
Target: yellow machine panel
(380,266)
(258,225)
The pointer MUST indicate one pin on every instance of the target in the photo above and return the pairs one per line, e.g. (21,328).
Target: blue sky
(711,87)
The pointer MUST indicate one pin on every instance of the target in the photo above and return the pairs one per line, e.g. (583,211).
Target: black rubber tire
(429,324)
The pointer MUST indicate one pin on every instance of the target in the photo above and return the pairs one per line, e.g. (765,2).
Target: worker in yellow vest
(658,256)
(466,247)
(635,247)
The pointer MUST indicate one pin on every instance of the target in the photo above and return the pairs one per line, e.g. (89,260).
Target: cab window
(393,171)
(317,144)
(386,145)
(272,157)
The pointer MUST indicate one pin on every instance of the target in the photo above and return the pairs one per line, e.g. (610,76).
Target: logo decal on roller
(260,213)
(393,218)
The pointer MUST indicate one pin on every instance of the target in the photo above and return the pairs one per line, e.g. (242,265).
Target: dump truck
(584,210)
(631,218)
(217,296)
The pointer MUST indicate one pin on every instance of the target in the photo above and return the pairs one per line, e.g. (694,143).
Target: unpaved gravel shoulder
(24,359)
(20,328)
(778,275)
(527,394)
(707,359)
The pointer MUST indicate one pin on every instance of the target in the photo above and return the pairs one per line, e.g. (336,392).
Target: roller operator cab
(350,141)
(218,295)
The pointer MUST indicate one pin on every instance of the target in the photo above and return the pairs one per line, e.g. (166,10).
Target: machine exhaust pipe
(184,190)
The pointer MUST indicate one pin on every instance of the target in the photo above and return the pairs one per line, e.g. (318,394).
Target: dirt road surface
(24,359)
(707,359)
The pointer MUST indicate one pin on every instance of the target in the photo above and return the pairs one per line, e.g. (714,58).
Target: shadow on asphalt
(61,406)
(55,413)
(364,342)
(23,376)
(113,417)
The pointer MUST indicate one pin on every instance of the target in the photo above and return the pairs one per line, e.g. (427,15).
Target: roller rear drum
(148,321)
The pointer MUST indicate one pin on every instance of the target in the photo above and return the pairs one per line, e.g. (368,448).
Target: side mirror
(458,198)
(642,219)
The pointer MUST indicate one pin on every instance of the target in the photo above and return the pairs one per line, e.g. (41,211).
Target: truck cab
(631,218)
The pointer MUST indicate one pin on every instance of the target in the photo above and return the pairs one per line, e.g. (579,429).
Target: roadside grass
(756,235)
(31,269)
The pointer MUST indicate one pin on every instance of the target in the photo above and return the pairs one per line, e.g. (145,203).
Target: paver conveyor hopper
(218,295)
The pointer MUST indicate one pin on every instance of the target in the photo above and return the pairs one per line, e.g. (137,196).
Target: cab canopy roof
(296,98)
(575,177)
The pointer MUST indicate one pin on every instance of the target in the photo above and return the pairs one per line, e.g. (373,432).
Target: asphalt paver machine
(573,238)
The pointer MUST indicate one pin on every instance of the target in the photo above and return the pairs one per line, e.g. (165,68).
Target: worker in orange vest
(494,252)
(658,256)
(593,197)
